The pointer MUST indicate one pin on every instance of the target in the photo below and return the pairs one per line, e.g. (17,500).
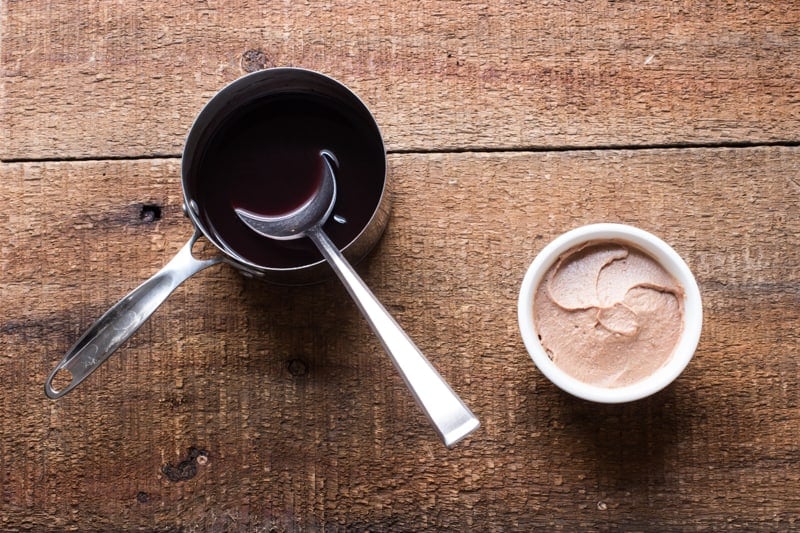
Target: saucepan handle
(124,318)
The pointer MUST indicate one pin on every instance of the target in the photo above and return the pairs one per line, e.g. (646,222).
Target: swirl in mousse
(608,314)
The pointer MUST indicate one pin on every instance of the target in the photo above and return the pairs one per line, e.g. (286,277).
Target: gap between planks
(465,150)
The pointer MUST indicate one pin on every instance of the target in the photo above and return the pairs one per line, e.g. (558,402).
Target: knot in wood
(297,367)
(253,60)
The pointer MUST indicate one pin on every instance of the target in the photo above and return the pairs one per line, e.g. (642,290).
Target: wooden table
(248,407)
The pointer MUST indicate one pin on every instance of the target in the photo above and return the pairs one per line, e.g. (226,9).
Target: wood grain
(117,78)
(243,407)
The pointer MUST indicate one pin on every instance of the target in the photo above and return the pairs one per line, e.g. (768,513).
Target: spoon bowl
(294,224)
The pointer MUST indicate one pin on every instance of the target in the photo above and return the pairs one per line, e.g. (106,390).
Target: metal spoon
(451,418)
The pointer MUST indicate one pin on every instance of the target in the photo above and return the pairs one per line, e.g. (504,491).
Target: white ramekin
(667,257)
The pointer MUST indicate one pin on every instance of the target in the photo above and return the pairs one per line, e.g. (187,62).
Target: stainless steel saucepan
(285,262)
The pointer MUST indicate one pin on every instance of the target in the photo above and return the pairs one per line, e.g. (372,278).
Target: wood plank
(300,422)
(100,79)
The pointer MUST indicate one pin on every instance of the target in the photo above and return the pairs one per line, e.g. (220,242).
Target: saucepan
(250,130)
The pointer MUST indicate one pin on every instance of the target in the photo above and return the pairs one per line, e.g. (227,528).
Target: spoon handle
(452,419)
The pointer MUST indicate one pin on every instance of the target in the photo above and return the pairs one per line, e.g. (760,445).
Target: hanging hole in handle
(60,380)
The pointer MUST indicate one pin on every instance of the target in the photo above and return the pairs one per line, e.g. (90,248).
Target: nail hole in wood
(297,368)
(150,213)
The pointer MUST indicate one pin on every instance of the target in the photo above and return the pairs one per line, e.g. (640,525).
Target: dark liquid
(295,175)
(267,159)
